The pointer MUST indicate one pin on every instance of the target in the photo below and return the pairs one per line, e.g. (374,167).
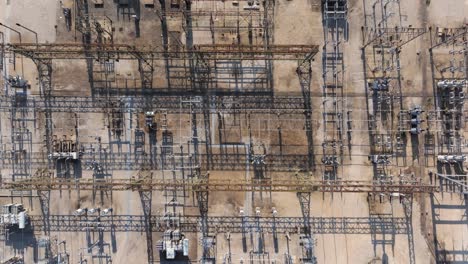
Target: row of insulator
(17,82)
(453,96)
(380,159)
(330,160)
(451,84)
(461,95)
(415,120)
(92,211)
(380,85)
(451,158)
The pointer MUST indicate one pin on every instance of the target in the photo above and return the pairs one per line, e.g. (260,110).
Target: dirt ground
(296,22)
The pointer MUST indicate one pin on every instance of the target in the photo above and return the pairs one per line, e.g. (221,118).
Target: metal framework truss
(239,185)
(392,37)
(128,52)
(224,224)
(169,104)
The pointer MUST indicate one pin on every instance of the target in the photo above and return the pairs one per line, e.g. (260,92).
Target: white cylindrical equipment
(443,84)
(22,220)
(185,247)
(6,219)
(170,253)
